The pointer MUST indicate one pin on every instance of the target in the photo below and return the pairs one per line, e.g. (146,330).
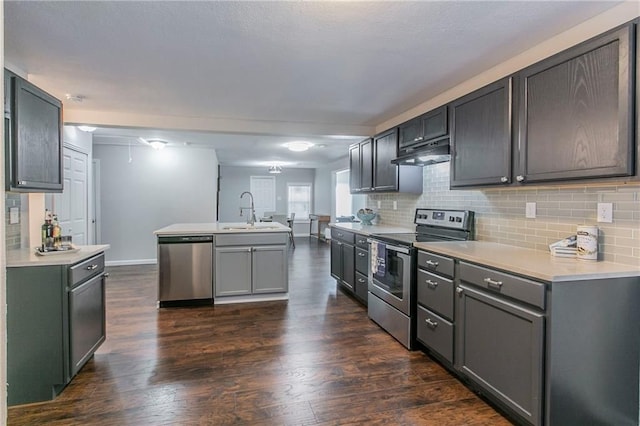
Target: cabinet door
(336,259)
(232,271)
(434,123)
(576,112)
(348,266)
(269,265)
(385,174)
(481,136)
(362,287)
(410,133)
(500,347)
(354,168)
(36,148)
(366,165)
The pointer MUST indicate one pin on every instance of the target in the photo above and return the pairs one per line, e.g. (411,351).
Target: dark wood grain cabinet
(343,266)
(366,165)
(355,168)
(33,131)
(576,112)
(385,149)
(415,132)
(481,136)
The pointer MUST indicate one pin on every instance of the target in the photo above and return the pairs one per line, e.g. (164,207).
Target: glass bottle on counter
(56,234)
(47,231)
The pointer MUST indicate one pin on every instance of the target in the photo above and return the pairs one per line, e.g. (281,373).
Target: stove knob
(458,219)
(452,219)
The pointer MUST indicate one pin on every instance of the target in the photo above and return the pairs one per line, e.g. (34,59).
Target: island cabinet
(343,266)
(576,112)
(251,263)
(481,137)
(33,135)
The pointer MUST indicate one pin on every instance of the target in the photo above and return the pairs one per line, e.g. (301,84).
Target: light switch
(14,215)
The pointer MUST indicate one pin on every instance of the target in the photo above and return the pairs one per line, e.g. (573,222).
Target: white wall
(155,189)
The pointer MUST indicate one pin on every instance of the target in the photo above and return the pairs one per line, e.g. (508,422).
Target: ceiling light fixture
(88,129)
(275,170)
(75,98)
(298,146)
(154,143)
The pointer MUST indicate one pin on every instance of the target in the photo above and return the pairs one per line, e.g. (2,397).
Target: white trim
(252,298)
(131,262)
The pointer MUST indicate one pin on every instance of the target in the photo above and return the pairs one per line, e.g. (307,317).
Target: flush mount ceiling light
(75,98)
(154,143)
(88,129)
(298,146)
(275,170)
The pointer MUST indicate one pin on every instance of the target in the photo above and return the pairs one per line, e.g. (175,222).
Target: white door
(71,205)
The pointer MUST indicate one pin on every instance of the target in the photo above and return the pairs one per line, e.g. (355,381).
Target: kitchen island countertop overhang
(220,228)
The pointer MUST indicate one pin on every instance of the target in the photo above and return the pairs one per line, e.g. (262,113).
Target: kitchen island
(552,340)
(242,263)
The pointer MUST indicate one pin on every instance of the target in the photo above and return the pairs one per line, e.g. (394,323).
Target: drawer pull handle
(361,254)
(360,280)
(432,263)
(92,267)
(432,284)
(432,324)
(340,235)
(105,275)
(492,283)
(362,241)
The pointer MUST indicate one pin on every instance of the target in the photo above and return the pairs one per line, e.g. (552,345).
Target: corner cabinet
(481,137)
(371,169)
(252,263)
(33,135)
(576,112)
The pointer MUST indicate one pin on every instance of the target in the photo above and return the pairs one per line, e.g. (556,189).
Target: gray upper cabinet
(481,136)
(385,149)
(33,131)
(576,112)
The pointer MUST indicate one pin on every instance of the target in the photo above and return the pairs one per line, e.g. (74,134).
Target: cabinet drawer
(362,261)
(362,287)
(344,236)
(522,289)
(86,269)
(435,263)
(436,333)
(435,293)
(361,241)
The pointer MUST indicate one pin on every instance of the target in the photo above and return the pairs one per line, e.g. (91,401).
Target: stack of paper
(564,251)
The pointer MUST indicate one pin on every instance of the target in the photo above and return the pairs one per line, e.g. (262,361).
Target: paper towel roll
(587,242)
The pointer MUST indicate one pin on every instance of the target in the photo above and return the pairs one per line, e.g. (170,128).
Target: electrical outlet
(530,211)
(379,204)
(605,212)
(14,215)
(395,205)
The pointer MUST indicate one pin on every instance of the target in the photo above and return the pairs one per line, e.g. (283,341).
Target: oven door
(393,283)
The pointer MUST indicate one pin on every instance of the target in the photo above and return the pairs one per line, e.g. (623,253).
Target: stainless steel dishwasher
(186,270)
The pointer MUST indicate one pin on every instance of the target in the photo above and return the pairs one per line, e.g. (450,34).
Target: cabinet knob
(361,254)
(520,178)
(105,275)
(504,179)
(459,290)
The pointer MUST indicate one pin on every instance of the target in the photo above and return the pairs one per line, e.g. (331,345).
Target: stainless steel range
(392,282)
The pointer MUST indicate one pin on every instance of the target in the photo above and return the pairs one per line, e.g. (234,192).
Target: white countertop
(371,229)
(220,228)
(528,262)
(28,257)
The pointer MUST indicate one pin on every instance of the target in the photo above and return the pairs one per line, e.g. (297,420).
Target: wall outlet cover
(395,205)
(530,211)
(605,212)
(14,215)
(379,204)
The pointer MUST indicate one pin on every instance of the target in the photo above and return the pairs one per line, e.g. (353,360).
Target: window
(263,189)
(299,200)
(346,204)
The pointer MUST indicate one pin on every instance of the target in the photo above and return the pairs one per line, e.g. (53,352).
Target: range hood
(431,152)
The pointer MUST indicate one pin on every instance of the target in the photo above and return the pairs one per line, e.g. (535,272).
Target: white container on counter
(587,242)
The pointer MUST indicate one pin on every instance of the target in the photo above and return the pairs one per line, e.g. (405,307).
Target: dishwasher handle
(185,239)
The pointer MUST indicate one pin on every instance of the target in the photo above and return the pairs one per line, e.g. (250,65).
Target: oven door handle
(390,247)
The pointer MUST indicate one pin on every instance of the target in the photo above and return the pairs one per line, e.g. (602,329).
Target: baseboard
(131,262)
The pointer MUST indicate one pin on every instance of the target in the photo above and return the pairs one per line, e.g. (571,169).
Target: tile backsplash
(12,232)
(500,212)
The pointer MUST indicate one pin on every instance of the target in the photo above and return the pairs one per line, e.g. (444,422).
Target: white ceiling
(248,76)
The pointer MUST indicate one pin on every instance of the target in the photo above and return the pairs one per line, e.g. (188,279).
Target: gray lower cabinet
(343,267)
(362,268)
(259,268)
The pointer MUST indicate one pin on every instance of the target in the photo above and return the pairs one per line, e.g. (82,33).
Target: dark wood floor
(316,359)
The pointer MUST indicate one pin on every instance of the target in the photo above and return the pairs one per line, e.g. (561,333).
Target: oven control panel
(456,219)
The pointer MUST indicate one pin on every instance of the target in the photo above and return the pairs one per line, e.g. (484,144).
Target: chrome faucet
(251,218)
